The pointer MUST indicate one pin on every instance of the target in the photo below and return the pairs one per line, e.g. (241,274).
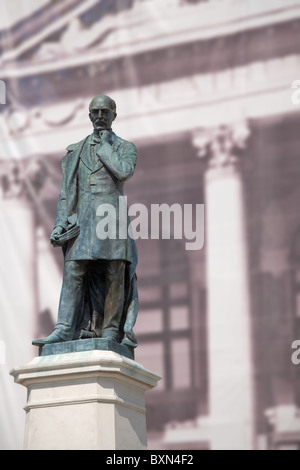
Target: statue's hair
(111,102)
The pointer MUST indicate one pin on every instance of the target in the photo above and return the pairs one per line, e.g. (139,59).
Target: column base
(86,400)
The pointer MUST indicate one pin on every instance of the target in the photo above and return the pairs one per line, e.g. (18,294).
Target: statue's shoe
(112,335)
(53,338)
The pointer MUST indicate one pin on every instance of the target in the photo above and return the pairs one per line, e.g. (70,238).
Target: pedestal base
(88,344)
(85,401)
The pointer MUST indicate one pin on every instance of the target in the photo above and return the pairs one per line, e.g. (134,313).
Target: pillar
(231,390)
(17,299)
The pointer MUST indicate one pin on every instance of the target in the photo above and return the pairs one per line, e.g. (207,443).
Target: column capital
(223,145)
(22,180)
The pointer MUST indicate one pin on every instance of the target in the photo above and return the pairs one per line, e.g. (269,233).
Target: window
(149,321)
(163,326)
(179,317)
(151,356)
(181,365)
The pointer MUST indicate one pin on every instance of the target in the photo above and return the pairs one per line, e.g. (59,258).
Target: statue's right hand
(55,233)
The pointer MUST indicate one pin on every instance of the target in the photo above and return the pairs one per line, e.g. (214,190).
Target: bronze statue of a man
(99,293)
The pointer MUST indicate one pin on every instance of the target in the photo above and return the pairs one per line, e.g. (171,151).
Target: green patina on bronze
(99,293)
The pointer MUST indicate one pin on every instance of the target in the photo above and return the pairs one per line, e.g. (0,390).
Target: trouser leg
(70,299)
(114,300)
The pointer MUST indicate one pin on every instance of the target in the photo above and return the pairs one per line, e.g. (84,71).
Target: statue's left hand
(55,233)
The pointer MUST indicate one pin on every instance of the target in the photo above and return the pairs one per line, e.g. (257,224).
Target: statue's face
(101,113)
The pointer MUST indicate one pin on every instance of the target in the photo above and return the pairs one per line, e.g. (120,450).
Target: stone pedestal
(86,400)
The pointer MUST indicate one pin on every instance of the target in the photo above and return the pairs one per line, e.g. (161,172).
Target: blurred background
(207,90)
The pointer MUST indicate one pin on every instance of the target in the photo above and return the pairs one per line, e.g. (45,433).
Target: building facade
(207,90)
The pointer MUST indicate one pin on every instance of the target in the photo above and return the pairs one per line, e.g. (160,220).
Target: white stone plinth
(85,400)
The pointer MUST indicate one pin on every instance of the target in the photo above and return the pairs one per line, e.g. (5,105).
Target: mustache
(100,123)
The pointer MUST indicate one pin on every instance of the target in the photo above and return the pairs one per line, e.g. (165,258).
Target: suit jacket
(86,185)
(94,174)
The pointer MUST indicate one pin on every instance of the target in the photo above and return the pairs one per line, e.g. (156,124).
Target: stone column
(18,291)
(17,297)
(18,287)
(231,391)
(20,183)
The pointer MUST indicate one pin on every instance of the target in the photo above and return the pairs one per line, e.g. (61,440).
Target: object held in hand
(64,237)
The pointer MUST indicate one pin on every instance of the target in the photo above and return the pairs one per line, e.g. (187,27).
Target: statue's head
(102,112)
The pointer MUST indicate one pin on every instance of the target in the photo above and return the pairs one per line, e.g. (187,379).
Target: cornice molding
(184,24)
